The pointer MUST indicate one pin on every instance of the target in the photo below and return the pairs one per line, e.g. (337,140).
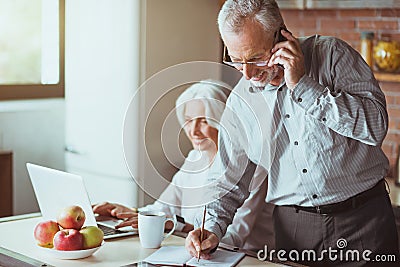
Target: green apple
(92,236)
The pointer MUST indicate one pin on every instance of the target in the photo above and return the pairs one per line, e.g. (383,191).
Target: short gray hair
(234,13)
(212,93)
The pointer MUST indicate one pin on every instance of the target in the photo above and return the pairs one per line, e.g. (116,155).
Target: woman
(199,109)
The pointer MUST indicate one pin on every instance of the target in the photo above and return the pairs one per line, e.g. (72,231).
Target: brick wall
(347,24)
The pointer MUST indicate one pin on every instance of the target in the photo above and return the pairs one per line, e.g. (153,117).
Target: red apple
(92,236)
(68,239)
(72,217)
(44,233)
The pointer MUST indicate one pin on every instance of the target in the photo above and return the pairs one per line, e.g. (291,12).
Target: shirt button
(314,196)
(323,119)
(287,116)
(296,143)
(300,99)
(304,170)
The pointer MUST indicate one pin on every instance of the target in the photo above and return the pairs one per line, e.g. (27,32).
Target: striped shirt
(320,143)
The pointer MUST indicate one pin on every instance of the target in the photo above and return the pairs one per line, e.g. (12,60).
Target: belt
(351,203)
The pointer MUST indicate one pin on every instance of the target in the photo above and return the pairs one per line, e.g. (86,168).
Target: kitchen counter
(16,237)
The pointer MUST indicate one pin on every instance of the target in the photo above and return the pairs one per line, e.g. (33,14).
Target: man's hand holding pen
(192,243)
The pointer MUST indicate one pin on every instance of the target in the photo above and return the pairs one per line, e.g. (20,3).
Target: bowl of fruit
(70,254)
(66,237)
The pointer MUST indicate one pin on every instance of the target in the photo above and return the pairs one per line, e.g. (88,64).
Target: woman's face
(200,133)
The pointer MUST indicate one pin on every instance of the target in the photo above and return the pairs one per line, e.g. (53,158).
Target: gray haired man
(321,119)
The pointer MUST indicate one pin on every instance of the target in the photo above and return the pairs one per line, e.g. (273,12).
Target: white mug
(151,228)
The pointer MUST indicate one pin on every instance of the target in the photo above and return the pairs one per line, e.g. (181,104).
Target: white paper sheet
(178,256)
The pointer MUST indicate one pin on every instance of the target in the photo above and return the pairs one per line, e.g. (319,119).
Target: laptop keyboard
(108,230)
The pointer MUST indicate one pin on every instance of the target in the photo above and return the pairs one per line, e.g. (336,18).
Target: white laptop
(55,190)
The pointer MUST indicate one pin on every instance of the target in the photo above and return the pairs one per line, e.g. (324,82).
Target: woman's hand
(118,211)
(109,209)
(130,219)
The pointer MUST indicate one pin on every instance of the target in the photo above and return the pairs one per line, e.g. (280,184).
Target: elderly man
(311,113)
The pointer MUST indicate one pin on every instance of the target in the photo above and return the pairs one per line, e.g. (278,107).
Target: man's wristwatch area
(180,223)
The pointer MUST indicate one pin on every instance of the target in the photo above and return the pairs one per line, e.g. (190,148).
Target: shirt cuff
(306,92)
(214,228)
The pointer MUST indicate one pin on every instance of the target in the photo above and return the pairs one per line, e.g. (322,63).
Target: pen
(201,233)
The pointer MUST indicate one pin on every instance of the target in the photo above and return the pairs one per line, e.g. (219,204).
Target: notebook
(55,190)
(178,256)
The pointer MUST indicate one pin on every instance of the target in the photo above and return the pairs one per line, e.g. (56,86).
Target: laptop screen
(56,190)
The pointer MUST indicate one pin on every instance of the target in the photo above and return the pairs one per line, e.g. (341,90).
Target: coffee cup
(151,228)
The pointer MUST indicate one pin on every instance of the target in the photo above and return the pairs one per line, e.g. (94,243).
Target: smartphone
(280,38)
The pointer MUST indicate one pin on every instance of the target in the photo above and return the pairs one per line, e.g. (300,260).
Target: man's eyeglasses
(226,59)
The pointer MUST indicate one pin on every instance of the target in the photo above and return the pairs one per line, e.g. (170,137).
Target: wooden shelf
(6,183)
(387,77)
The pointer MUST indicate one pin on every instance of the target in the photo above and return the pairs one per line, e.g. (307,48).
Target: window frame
(39,91)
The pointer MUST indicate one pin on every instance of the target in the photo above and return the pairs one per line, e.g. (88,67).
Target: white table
(17,235)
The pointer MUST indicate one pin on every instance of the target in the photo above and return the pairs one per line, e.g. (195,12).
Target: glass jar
(387,54)
(367,46)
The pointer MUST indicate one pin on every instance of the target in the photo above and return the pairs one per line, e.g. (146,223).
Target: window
(31,49)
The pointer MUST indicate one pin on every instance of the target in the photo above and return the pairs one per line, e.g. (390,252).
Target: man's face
(252,44)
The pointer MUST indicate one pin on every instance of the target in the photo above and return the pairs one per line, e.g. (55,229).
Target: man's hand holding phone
(289,54)
(193,246)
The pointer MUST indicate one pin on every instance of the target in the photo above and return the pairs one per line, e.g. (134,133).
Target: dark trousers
(351,233)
